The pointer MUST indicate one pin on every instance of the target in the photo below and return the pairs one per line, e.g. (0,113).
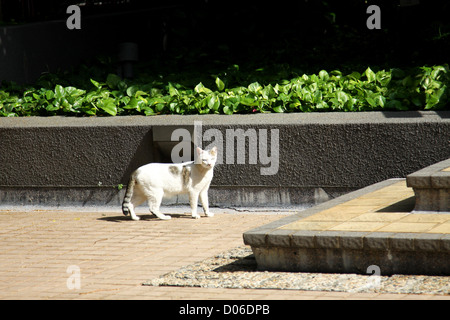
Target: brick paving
(113,255)
(385,210)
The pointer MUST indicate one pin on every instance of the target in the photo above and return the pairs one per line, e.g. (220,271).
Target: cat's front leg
(205,203)
(193,200)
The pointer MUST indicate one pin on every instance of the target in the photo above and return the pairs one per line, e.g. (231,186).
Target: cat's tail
(128,195)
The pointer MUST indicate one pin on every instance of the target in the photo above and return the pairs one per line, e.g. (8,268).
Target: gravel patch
(237,269)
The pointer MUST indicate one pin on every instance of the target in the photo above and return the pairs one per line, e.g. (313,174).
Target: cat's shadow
(143,217)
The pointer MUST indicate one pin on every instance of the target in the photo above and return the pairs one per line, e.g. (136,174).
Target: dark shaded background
(300,36)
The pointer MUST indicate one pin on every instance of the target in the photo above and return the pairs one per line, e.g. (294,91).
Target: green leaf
(173,91)
(96,84)
(49,95)
(341,97)
(254,87)
(140,93)
(371,76)
(154,101)
(268,92)
(380,100)
(74,92)
(131,90)
(220,85)
(435,98)
(199,105)
(108,106)
(371,101)
(248,101)
(295,104)
(323,75)
(228,110)
(159,107)
(59,91)
(112,80)
(232,102)
(278,109)
(51,107)
(322,106)
(354,75)
(149,111)
(336,73)
(213,102)
(383,78)
(200,88)
(435,74)
(133,104)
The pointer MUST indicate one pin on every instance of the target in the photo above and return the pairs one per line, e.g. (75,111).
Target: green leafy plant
(424,88)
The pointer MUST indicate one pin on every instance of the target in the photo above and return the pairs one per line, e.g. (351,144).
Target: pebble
(236,268)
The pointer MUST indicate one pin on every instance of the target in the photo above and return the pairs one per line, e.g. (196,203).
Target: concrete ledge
(111,197)
(351,261)
(432,187)
(284,246)
(321,155)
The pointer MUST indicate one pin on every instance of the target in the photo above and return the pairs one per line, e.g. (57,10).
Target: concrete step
(432,187)
(369,230)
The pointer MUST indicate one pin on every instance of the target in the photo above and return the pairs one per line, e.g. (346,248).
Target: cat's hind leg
(154,202)
(136,200)
(127,205)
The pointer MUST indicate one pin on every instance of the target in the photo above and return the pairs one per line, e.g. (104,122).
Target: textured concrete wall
(72,156)
(321,155)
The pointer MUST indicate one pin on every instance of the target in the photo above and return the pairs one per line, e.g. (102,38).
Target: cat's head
(207,158)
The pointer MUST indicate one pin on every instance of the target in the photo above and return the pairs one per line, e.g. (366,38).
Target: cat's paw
(164,217)
(209,214)
(161,216)
(196,216)
(135,218)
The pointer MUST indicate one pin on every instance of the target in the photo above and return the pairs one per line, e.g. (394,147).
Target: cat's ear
(213,151)
(199,151)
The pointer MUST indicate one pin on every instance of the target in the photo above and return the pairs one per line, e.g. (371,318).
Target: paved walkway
(95,255)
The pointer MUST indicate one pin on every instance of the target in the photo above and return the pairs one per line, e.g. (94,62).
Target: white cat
(153,181)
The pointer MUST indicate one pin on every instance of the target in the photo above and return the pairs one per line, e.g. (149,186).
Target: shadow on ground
(143,217)
(246,264)
(406,205)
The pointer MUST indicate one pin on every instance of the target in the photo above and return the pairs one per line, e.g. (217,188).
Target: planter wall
(60,161)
